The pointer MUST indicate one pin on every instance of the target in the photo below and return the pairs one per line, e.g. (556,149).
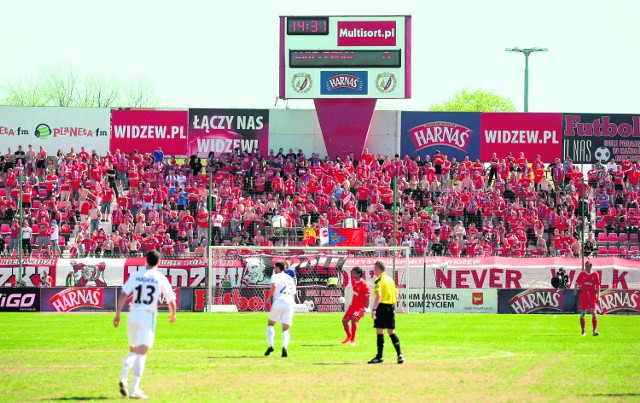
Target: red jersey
(361,294)
(589,283)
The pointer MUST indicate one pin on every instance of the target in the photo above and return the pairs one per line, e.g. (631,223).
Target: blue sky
(215,54)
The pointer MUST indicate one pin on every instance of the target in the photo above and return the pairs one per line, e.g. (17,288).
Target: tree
(475,101)
(65,87)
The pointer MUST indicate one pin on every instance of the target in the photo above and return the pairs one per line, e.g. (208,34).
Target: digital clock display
(344,58)
(308,26)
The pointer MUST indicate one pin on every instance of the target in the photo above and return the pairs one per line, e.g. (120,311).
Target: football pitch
(219,357)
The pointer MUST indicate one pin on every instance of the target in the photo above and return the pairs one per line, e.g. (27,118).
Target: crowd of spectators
(127,203)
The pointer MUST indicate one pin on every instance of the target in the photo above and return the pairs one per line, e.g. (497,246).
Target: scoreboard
(345,57)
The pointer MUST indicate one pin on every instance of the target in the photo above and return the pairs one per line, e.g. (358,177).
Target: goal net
(241,275)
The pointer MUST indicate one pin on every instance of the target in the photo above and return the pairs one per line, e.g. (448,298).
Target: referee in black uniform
(383,313)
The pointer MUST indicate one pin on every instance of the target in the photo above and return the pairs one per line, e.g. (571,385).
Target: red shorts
(354,313)
(587,301)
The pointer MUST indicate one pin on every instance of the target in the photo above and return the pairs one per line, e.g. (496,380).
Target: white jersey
(285,287)
(146,287)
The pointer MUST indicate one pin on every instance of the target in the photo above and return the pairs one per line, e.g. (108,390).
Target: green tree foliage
(475,101)
(65,87)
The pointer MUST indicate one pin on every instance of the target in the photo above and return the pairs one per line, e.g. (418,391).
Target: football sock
(354,328)
(380,345)
(582,323)
(126,366)
(346,329)
(271,334)
(396,342)
(594,322)
(286,336)
(138,370)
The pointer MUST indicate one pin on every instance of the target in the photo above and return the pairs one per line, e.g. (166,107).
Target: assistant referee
(383,313)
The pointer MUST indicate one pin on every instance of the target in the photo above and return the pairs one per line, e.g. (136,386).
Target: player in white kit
(283,290)
(146,287)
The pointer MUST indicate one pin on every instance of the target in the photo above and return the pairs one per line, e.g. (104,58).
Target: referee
(386,295)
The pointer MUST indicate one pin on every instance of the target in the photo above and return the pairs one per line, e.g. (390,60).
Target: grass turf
(220,357)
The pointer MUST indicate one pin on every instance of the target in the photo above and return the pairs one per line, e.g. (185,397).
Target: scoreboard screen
(345,56)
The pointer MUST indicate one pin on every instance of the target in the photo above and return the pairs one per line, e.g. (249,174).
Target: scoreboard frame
(345,57)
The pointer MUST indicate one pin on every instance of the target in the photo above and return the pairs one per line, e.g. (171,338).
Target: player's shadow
(79,398)
(320,345)
(333,363)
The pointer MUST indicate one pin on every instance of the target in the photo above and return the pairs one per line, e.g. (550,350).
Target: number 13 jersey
(146,287)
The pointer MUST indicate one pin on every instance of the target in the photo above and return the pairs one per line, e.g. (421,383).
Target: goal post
(242,274)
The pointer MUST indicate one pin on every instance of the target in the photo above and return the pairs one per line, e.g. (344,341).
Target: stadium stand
(125,204)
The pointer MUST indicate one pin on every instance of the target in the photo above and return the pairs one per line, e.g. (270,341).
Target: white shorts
(281,311)
(141,326)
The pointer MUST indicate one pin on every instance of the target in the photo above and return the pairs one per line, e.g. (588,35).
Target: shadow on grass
(320,345)
(79,398)
(335,363)
(631,394)
(224,357)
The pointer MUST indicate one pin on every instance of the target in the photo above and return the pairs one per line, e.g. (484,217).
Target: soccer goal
(241,275)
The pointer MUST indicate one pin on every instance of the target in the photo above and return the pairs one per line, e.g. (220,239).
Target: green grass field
(207,357)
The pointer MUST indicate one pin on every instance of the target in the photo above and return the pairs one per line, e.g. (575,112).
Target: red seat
(623,251)
(3,192)
(35,204)
(602,251)
(623,238)
(602,237)
(600,224)
(42,193)
(61,242)
(613,251)
(613,237)
(633,238)
(633,250)
(5,229)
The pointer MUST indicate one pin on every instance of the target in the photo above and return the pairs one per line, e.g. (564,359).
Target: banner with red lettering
(179,272)
(313,270)
(146,130)
(225,130)
(55,128)
(530,133)
(591,137)
(454,134)
(256,299)
(553,301)
(32,271)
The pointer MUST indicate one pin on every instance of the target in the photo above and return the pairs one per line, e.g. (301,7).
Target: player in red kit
(588,282)
(361,293)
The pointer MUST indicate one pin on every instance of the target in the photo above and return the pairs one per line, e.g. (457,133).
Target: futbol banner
(454,134)
(531,133)
(256,299)
(78,299)
(32,270)
(449,301)
(619,301)
(19,299)
(55,128)
(224,130)
(589,137)
(146,130)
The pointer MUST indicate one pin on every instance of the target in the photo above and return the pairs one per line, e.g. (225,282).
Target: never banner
(314,270)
